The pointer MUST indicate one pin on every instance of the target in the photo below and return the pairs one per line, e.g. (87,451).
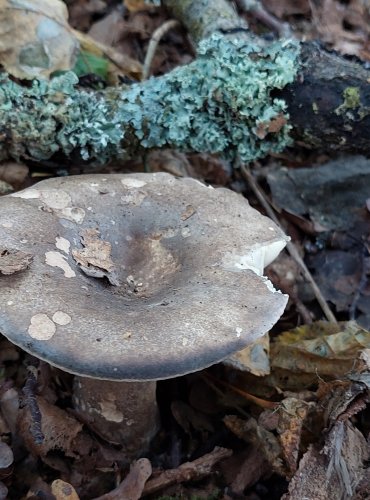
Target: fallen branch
(189,471)
(240,97)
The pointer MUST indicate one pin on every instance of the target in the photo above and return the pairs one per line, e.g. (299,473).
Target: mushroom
(131,279)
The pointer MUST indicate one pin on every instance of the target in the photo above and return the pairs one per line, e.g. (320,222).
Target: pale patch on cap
(41,327)
(61,318)
(62,244)
(56,259)
(131,182)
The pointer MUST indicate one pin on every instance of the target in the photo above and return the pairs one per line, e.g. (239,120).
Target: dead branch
(189,471)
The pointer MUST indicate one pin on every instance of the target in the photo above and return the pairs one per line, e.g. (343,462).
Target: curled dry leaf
(13,261)
(59,430)
(35,38)
(95,259)
(292,415)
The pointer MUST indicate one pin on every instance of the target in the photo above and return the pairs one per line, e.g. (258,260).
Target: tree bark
(329,101)
(240,97)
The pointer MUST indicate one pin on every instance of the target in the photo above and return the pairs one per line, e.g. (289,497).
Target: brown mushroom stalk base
(123,413)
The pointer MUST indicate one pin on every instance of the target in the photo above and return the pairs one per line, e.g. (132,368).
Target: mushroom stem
(125,413)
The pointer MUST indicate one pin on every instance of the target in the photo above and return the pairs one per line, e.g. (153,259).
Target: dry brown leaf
(345,25)
(334,471)
(63,491)
(283,8)
(254,358)
(136,5)
(322,349)
(265,441)
(292,415)
(59,430)
(95,259)
(14,173)
(35,38)
(13,261)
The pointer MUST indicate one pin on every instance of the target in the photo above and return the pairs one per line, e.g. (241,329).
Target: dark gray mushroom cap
(135,277)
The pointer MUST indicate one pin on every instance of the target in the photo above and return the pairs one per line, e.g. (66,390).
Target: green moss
(351,100)
(220,103)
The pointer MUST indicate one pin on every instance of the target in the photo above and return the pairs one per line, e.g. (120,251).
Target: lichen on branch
(220,103)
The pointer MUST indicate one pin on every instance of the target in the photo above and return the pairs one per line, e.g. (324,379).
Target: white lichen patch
(169,233)
(56,259)
(7,224)
(131,182)
(185,232)
(62,244)
(61,318)
(55,199)
(134,198)
(27,194)
(74,214)
(238,331)
(110,411)
(41,327)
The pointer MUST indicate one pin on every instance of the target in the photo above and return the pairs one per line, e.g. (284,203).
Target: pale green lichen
(351,101)
(219,104)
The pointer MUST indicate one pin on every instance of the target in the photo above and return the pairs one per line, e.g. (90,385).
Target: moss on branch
(220,103)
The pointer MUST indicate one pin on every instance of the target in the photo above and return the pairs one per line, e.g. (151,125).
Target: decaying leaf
(251,432)
(13,261)
(59,430)
(137,5)
(322,349)
(95,258)
(292,415)
(334,471)
(254,358)
(116,63)
(35,38)
(333,194)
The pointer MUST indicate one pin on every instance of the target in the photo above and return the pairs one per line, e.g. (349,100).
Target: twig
(132,486)
(218,391)
(365,272)
(29,391)
(290,245)
(153,44)
(256,8)
(262,403)
(189,471)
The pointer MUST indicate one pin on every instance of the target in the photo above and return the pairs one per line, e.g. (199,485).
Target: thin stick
(153,44)
(189,471)
(256,8)
(262,403)
(290,245)
(29,391)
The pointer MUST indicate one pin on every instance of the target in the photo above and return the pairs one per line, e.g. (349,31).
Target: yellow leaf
(35,38)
